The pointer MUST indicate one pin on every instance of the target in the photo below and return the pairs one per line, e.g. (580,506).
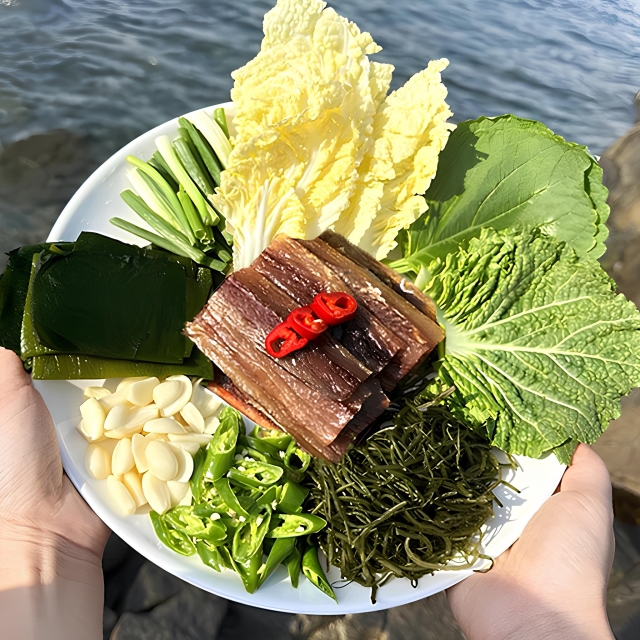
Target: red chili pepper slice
(283,340)
(334,308)
(306,323)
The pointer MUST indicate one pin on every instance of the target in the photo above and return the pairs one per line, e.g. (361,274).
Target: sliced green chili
(296,461)
(249,536)
(196,481)
(255,474)
(294,563)
(279,552)
(270,496)
(172,538)
(229,497)
(292,497)
(276,439)
(314,573)
(210,555)
(249,569)
(295,525)
(221,449)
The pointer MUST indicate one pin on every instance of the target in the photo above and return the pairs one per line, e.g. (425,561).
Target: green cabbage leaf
(538,344)
(508,173)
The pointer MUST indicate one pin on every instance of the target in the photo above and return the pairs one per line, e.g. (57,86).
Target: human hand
(51,543)
(552,582)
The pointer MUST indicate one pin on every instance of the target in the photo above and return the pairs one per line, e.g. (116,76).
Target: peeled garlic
(122,457)
(141,392)
(96,392)
(133,483)
(163,425)
(125,383)
(123,432)
(172,394)
(98,462)
(162,460)
(124,502)
(138,447)
(156,492)
(201,438)
(122,417)
(185,465)
(211,425)
(93,418)
(193,417)
(191,447)
(206,402)
(112,400)
(177,491)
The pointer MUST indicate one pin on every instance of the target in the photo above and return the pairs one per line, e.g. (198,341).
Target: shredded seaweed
(410,499)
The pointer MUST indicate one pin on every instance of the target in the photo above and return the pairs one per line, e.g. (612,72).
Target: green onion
(179,248)
(207,214)
(220,117)
(214,135)
(195,222)
(157,157)
(204,149)
(190,163)
(156,222)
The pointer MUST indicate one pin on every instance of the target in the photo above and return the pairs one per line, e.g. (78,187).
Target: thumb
(13,377)
(588,475)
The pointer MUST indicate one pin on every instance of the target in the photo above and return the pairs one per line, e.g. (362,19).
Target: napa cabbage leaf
(538,343)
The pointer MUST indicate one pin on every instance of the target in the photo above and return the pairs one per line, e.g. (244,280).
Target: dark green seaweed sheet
(14,283)
(112,300)
(80,367)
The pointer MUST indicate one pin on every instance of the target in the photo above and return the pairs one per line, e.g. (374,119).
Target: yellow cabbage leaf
(409,131)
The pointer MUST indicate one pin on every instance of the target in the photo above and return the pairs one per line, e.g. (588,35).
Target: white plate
(90,209)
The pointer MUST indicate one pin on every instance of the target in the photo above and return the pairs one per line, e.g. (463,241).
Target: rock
(109,619)
(190,614)
(115,553)
(151,587)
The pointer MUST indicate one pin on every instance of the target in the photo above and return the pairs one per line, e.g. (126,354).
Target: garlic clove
(172,394)
(123,501)
(96,392)
(191,447)
(122,460)
(156,492)
(162,460)
(140,393)
(201,438)
(125,383)
(205,401)
(93,418)
(163,425)
(138,448)
(193,417)
(211,425)
(177,491)
(98,462)
(185,465)
(133,482)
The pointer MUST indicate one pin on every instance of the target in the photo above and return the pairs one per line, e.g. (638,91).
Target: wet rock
(38,176)
(190,614)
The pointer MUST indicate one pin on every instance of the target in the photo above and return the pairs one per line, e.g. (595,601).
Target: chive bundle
(172,192)
(408,500)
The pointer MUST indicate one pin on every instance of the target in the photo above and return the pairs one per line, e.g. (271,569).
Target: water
(116,68)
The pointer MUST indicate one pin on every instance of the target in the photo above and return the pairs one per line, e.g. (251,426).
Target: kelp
(14,283)
(109,299)
(409,500)
(100,308)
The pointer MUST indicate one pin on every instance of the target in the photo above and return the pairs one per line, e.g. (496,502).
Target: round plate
(90,209)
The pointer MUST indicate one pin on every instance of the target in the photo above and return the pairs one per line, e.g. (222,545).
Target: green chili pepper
(229,497)
(255,474)
(276,439)
(249,536)
(259,444)
(172,538)
(221,449)
(271,495)
(183,519)
(248,570)
(314,573)
(228,561)
(203,510)
(292,497)
(196,481)
(277,555)
(296,462)
(210,555)
(295,525)
(294,564)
